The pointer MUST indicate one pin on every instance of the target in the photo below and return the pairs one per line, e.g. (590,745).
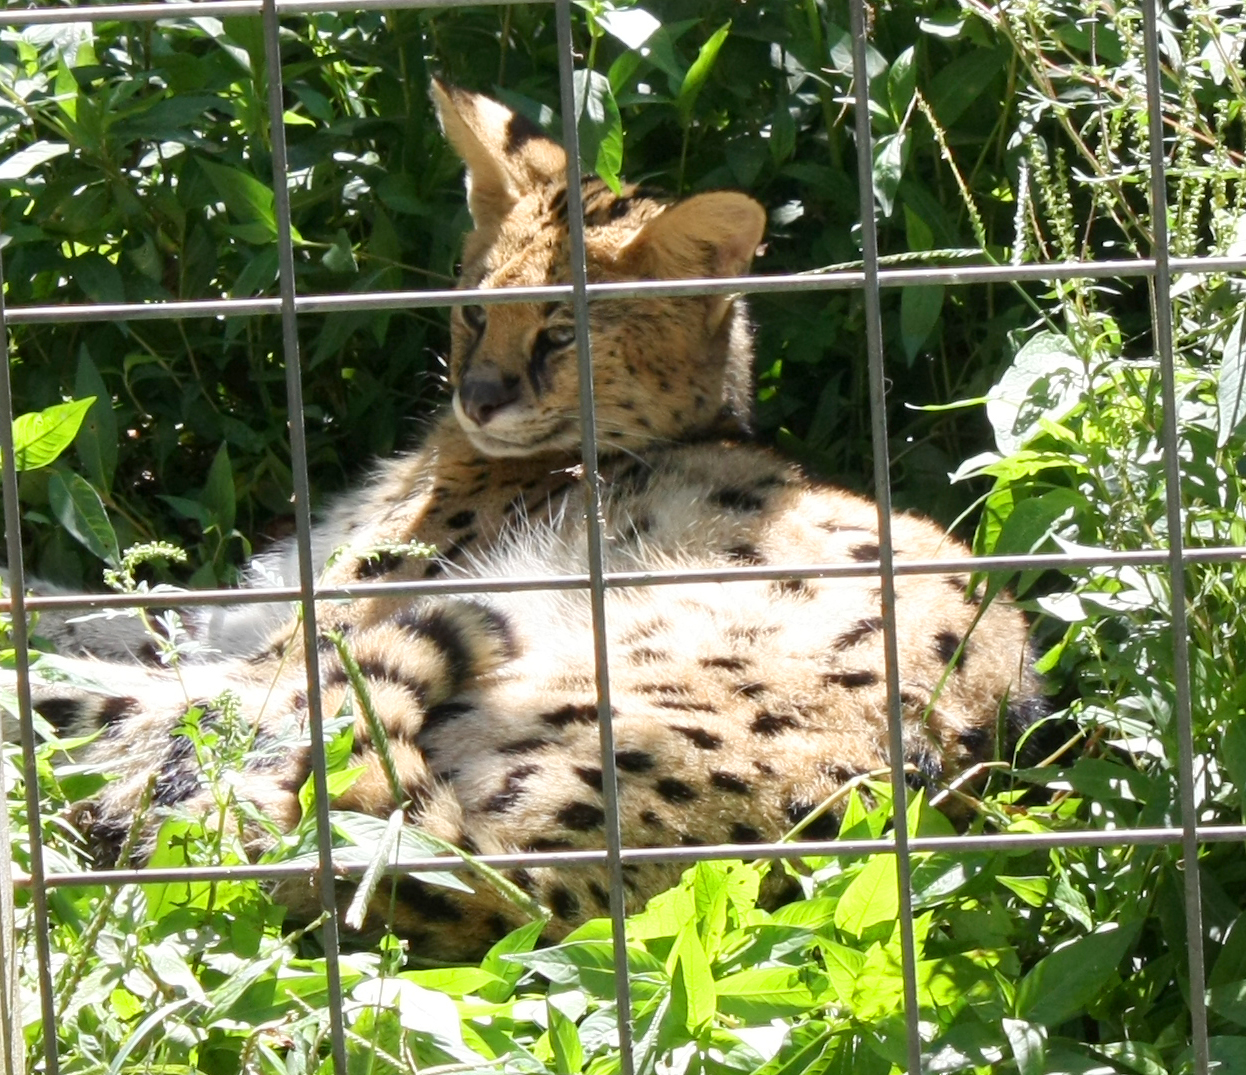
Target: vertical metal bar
(1176,540)
(302,515)
(12,1043)
(596,559)
(882,491)
(21,642)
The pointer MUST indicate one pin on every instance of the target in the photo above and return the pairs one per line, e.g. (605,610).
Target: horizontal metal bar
(627,579)
(967,844)
(198,9)
(740,285)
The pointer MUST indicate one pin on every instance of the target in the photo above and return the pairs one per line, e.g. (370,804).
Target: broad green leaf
(589,965)
(41,436)
(1047,380)
(871,900)
(1062,984)
(1231,384)
(340,257)
(693,998)
(919,313)
(843,968)
(564,1039)
(760,994)
(901,82)
(631,25)
(1029,1046)
(96,442)
(700,70)
(890,152)
(1033,890)
(218,491)
(963,81)
(506,971)
(456,981)
(246,198)
(98,277)
(81,512)
(20,164)
(600,127)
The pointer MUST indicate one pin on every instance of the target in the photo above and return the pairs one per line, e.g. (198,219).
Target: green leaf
(1231,384)
(1046,380)
(890,152)
(872,900)
(564,1039)
(760,994)
(693,997)
(246,198)
(340,257)
(456,981)
(96,442)
(1062,984)
(20,164)
(98,277)
(1029,1046)
(80,511)
(919,313)
(506,971)
(1033,890)
(901,83)
(964,81)
(218,491)
(39,437)
(700,70)
(600,127)
(806,1047)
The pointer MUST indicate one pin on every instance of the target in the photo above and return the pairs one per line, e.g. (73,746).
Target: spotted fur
(738,707)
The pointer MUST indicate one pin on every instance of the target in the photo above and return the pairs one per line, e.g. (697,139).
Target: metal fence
(1159,269)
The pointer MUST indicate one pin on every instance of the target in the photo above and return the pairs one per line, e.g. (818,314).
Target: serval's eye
(554,338)
(474,316)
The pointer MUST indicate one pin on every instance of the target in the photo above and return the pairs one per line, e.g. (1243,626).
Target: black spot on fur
(427,902)
(571,714)
(455,552)
(499,927)
(733,499)
(731,664)
(946,644)
(590,775)
(860,630)
(379,671)
(791,588)
(600,896)
(549,844)
(446,711)
(563,902)
(764,768)
(633,761)
(461,519)
(686,705)
(651,819)
(644,655)
(378,564)
(851,678)
(769,724)
(581,816)
(644,630)
(929,768)
(864,553)
(745,554)
(730,782)
(523,746)
(674,791)
(706,740)
(176,785)
(686,839)
(512,788)
(975,740)
(751,690)
(443,631)
(464,842)
(634,478)
(745,834)
(523,880)
(112,710)
(826,827)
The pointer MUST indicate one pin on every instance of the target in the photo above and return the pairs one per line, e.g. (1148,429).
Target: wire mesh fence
(1158,269)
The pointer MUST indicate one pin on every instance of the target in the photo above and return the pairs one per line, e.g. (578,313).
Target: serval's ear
(507,155)
(714,234)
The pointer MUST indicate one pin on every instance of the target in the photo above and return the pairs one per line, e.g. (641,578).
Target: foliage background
(134,165)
